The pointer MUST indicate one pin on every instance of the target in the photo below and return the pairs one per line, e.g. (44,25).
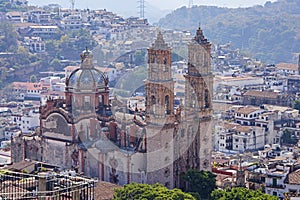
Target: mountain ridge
(270,33)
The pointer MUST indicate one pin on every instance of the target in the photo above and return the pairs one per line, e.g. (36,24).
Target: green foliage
(9,37)
(7,6)
(70,44)
(288,137)
(55,64)
(240,194)
(33,79)
(149,192)
(269,33)
(203,182)
(297,104)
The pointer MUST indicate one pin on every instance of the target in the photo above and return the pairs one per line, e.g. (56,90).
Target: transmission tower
(191,3)
(142,8)
(73,4)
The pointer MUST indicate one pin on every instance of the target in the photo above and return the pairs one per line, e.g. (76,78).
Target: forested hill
(270,32)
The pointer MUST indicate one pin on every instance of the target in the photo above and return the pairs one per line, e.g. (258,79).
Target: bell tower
(198,102)
(160,116)
(194,142)
(159,84)
(199,80)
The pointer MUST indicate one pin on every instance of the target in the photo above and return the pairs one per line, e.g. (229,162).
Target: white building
(248,138)
(72,22)
(233,137)
(275,178)
(26,91)
(246,115)
(30,120)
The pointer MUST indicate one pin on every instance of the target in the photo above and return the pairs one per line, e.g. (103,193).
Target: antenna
(142,8)
(191,3)
(73,4)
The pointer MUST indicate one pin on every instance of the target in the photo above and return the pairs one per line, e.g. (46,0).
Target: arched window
(153,100)
(206,99)
(100,99)
(193,100)
(165,65)
(167,104)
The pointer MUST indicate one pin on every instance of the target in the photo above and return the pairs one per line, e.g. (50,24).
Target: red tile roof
(261,94)
(105,190)
(294,177)
(287,66)
(247,110)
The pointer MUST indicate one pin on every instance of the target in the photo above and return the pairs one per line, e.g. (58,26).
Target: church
(86,131)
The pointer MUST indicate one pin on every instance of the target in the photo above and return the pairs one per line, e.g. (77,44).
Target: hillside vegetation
(270,33)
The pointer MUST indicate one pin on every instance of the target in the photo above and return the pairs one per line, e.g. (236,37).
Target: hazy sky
(162,4)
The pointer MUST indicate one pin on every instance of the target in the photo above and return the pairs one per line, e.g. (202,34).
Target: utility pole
(191,3)
(73,4)
(142,8)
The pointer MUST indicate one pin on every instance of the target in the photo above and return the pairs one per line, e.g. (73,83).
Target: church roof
(159,43)
(199,38)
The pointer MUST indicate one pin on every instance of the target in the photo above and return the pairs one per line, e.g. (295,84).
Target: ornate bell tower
(198,102)
(199,80)
(160,114)
(194,139)
(160,84)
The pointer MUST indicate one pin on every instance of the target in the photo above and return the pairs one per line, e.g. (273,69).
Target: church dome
(87,77)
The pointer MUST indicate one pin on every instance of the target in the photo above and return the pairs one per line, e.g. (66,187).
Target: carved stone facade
(194,138)
(82,132)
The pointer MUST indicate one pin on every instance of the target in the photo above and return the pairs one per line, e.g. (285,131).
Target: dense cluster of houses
(253,102)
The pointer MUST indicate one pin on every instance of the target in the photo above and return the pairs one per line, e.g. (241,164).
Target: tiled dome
(86,77)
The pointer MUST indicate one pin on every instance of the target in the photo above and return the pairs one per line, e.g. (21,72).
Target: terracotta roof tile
(287,66)
(247,110)
(294,177)
(261,94)
(230,125)
(105,190)
(244,129)
(27,86)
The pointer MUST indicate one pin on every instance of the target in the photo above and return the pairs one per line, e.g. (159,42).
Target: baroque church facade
(87,132)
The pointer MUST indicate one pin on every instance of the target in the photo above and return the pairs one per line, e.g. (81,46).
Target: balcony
(255,180)
(278,186)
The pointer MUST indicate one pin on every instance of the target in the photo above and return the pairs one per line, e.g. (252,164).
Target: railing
(44,186)
(255,180)
(279,186)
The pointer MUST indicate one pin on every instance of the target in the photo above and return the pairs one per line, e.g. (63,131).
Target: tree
(33,79)
(152,192)
(203,182)
(240,194)
(55,64)
(9,39)
(297,104)
(288,137)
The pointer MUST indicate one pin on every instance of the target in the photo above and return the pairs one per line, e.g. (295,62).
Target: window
(100,99)
(87,102)
(87,99)
(167,105)
(153,100)
(206,99)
